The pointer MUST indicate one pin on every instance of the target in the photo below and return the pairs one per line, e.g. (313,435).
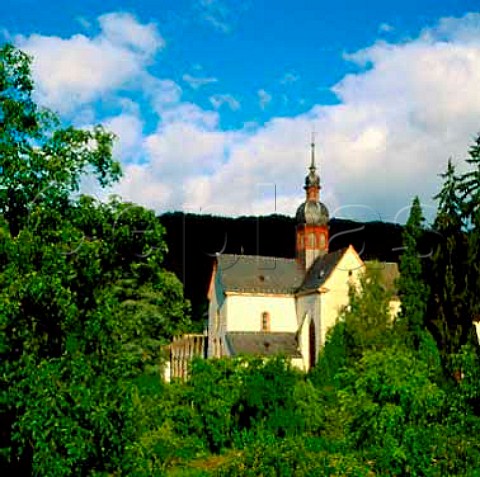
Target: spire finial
(312,145)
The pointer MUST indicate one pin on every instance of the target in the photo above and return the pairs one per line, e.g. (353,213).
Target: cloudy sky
(214,101)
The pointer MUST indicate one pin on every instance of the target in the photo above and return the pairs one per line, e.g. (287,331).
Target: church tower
(312,220)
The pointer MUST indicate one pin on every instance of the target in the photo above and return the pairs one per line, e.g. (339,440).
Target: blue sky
(213,101)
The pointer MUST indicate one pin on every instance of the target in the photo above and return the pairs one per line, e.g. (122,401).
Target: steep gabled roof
(255,274)
(263,344)
(249,273)
(321,269)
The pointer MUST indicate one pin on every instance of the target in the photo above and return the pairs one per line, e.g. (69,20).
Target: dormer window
(265,321)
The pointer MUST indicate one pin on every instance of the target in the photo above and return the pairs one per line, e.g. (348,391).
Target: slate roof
(321,269)
(249,273)
(263,344)
(252,273)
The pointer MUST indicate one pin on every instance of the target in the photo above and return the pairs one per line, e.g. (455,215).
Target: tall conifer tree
(412,288)
(469,192)
(448,274)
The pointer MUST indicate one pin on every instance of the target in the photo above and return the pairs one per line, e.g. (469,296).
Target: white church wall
(336,297)
(245,312)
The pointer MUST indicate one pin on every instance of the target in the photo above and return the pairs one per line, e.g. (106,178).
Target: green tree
(394,411)
(469,193)
(413,290)
(42,162)
(448,274)
(368,323)
(84,301)
(365,324)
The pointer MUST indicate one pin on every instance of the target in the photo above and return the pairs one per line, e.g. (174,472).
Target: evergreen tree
(447,310)
(469,193)
(413,290)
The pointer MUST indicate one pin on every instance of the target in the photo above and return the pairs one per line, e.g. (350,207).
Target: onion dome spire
(312,211)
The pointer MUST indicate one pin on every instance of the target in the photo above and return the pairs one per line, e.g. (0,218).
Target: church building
(268,305)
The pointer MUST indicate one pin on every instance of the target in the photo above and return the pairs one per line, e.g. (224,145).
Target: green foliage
(267,398)
(401,419)
(214,389)
(364,325)
(42,162)
(333,357)
(235,399)
(85,305)
(469,193)
(291,457)
(368,324)
(447,307)
(79,327)
(413,290)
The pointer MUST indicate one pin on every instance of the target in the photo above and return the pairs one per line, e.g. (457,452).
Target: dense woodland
(87,307)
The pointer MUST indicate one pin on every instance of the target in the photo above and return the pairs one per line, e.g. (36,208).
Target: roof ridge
(256,257)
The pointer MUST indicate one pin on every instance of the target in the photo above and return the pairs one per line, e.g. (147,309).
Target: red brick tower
(312,220)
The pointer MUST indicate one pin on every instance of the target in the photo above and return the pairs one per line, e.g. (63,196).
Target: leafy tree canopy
(85,305)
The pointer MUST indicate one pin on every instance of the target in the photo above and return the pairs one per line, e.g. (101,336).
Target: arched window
(265,321)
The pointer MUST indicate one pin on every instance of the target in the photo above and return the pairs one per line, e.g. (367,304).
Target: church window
(265,321)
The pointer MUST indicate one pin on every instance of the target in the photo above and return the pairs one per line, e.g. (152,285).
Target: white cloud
(190,113)
(179,153)
(219,100)
(196,82)
(161,93)
(395,126)
(128,127)
(464,29)
(77,70)
(123,29)
(397,121)
(264,98)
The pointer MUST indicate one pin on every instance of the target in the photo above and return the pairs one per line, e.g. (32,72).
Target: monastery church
(268,305)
